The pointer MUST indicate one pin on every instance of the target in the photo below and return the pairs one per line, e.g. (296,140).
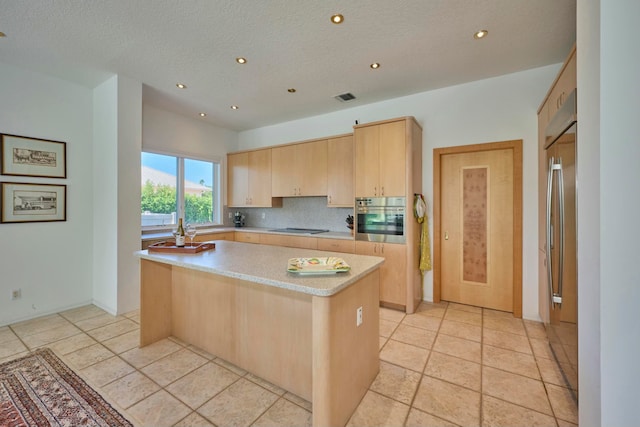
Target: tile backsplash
(298,212)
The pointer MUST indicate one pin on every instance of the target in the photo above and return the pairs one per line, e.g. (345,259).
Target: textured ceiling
(421,44)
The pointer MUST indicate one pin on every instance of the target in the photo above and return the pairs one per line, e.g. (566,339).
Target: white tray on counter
(317,265)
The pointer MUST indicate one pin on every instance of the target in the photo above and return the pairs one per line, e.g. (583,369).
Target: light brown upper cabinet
(380,157)
(249,179)
(563,86)
(340,172)
(299,169)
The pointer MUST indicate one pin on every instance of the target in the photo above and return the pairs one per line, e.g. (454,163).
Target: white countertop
(267,265)
(326,235)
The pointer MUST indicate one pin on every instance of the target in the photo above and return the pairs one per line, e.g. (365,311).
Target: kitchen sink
(300,230)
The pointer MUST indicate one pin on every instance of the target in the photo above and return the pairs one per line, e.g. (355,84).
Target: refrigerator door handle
(557,298)
(549,233)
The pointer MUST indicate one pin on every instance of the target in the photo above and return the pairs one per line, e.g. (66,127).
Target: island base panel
(345,356)
(155,302)
(264,330)
(308,345)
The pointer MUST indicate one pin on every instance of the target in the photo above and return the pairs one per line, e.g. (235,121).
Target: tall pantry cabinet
(388,163)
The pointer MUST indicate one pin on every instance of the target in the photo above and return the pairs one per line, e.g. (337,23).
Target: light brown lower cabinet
(304,242)
(289,241)
(393,273)
(243,236)
(205,237)
(337,245)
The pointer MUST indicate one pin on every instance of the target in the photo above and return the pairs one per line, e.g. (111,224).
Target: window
(178,187)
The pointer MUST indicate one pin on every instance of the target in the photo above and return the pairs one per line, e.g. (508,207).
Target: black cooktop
(300,230)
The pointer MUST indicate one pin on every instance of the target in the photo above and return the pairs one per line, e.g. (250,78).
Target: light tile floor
(446,365)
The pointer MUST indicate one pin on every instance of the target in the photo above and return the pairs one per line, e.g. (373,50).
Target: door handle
(446,236)
(556,298)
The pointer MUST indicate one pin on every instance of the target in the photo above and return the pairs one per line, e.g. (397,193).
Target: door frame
(516,147)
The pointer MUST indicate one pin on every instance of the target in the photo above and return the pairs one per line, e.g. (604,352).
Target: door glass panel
(474,224)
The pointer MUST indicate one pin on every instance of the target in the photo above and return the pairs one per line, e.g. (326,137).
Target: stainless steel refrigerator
(562,271)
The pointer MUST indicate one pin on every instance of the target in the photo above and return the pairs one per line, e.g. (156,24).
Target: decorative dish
(317,265)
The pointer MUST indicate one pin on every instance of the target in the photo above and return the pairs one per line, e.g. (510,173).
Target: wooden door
(238,179)
(479,226)
(340,172)
(392,158)
(367,150)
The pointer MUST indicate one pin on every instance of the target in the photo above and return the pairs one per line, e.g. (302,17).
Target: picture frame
(26,156)
(28,202)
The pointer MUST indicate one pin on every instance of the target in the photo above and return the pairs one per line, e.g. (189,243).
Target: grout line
(422,374)
(544,384)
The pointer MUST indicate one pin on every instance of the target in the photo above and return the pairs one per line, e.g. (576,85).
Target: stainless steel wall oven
(380,219)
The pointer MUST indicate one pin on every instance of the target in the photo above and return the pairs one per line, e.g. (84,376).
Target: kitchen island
(239,302)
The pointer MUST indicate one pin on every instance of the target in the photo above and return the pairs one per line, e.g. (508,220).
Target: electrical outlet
(16,294)
(230,214)
(264,215)
(359,316)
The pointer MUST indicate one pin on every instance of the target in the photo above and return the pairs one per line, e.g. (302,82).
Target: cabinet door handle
(446,236)
(382,191)
(382,249)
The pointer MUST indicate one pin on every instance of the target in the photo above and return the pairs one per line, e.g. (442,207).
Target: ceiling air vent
(345,97)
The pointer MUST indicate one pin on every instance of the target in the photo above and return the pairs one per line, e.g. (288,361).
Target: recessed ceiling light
(375,65)
(291,90)
(337,18)
(203,114)
(181,86)
(241,60)
(234,107)
(480,34)
(2,34)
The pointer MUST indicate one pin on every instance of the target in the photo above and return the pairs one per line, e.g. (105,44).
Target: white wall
(105,195)
(619,207)
(164,131)
(497,109)
(608,202)
(117,111)
(128,212)
(50,262)
(588,67)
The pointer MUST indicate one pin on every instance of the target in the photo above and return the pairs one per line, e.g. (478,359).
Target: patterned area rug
(40,390)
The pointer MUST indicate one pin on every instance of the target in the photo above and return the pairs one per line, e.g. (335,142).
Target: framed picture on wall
(25,156)
(23,202)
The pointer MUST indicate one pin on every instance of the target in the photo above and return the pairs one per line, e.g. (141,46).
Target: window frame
(217,200)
